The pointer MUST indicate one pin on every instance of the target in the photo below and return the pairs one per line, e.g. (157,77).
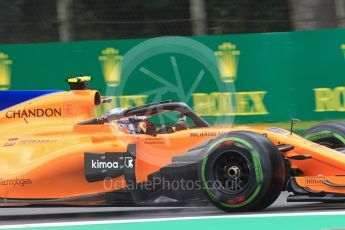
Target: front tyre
(330,134)
(242,171)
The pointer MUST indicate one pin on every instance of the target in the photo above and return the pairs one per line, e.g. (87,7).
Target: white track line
(82,223)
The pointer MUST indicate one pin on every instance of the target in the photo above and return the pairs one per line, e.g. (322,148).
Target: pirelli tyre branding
(28,113)
(98,166)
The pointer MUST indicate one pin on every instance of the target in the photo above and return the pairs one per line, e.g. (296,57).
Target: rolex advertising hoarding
(250,78)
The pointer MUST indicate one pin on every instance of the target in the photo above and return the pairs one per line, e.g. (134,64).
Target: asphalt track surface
(33,215)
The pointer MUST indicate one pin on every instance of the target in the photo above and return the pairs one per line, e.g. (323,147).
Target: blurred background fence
(280,75)
(23,21)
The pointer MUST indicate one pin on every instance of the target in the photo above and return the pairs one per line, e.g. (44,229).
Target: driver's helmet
(125,126)
(131,124)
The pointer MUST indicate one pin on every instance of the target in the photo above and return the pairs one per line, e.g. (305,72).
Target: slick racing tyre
(330,134)
(242,171)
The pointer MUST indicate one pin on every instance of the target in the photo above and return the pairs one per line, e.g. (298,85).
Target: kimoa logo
(5,71)
(104,164)
(228,57)
(26,113)
(110,62)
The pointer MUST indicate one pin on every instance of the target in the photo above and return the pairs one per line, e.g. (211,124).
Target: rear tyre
(330,134)
(242,171)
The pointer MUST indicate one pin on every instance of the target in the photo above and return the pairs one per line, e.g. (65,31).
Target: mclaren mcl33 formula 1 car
(54,151)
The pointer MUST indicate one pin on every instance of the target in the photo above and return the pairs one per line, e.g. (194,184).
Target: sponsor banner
(15,182)
(48,112)
(99,166)
(277,76)
(16,141)
(314,181)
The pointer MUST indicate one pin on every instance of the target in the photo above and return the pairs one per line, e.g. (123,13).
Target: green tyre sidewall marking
(324,134)
(257,168)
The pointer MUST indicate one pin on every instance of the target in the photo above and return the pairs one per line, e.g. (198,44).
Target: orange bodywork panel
(42,149)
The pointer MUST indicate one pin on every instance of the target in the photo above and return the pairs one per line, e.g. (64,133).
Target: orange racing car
(54,151)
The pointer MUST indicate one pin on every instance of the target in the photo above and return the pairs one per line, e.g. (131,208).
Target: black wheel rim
(232,172)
